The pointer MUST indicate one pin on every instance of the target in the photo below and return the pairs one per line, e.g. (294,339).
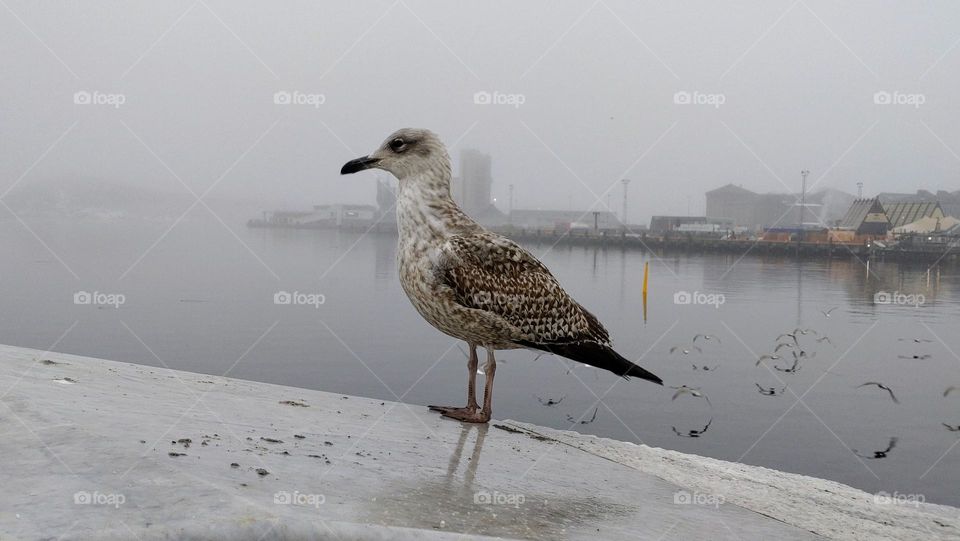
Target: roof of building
(731,189)
(907,212)
(857,213)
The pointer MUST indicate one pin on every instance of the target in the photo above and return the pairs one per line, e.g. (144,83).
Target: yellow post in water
(646,276)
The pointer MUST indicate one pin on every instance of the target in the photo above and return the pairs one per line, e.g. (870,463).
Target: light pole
(625,182)
(803,205)
(803,194)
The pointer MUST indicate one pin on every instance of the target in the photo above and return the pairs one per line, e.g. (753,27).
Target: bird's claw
(465,414)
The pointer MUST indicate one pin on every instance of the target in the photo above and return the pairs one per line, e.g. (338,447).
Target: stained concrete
(95,449)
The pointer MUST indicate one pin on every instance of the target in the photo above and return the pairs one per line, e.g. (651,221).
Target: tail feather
(598,355)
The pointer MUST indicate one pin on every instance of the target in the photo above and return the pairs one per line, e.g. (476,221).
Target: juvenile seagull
(475,285)
(881,386)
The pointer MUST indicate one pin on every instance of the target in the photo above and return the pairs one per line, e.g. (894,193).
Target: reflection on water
(202,301)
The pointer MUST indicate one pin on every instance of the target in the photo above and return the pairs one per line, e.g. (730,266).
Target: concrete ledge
(99,449)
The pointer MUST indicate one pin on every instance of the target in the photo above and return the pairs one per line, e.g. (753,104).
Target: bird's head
(407,152)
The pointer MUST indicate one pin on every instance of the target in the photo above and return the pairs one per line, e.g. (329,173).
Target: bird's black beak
(359,164)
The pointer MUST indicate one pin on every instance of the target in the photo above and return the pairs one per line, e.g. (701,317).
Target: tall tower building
(472,189)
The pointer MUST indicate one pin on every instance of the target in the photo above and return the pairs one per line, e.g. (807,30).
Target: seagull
(922,357)
(805,331)
(685,350)
(706,337)
(549,402)
(585,421)
(692,433)
(952,428)
(692,391)
(475,285)
(705,368)
(794,368)
(770,391)
(826,313)
(791,335)
(782,345)
(881,386)
(950,389)
(824,339)
(879,454)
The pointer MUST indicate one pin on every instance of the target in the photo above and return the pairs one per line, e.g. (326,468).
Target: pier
(112,450)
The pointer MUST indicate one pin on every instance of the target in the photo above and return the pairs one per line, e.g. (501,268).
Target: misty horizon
(685,98)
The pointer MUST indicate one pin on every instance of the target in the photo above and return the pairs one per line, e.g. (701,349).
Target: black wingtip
(599,356)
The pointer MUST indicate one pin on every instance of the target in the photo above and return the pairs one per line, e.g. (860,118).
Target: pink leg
(469,413)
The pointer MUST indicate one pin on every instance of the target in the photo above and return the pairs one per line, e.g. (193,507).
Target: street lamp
(625,182)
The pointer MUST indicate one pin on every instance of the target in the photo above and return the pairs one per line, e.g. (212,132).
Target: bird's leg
(468,414)
(472,406)
(472,384)
(491,370)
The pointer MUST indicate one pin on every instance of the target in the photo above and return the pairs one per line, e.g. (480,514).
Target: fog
(591,92)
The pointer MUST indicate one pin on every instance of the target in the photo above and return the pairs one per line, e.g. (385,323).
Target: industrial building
(756,211)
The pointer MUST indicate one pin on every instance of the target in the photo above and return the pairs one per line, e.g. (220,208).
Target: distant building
(875,217)
(904,213)
(323,216)
(667,224)
(472,189)
(564,219)
(761,211)
(866,217)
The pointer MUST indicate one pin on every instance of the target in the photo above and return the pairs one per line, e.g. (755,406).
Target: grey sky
(598,84)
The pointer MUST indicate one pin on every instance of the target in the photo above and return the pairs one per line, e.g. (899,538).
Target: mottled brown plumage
(473,284)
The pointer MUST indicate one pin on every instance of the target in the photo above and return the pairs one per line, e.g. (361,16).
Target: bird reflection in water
(770,391)
(692,433)
(473,462)
(879,454)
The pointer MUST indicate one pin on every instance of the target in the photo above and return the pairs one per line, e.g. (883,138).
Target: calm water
(200,300)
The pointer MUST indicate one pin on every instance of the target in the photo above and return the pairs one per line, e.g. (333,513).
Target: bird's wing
(493,274)
(950,389)
(674,348)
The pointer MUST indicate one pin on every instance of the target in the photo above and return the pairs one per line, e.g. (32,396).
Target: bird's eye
(397,144)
